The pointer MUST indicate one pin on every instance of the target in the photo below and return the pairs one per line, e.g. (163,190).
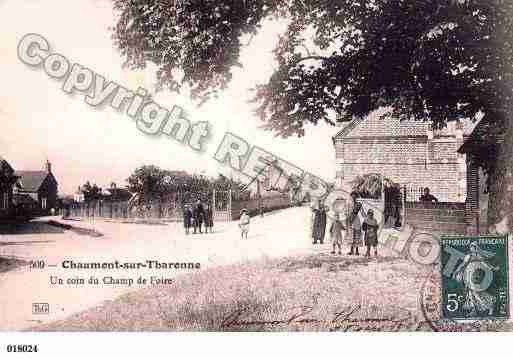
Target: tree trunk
(500,207)
(500,203)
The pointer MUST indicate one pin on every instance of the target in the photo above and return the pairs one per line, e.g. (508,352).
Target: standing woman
(209,219)
(324,222)
(319,223)
(354,225)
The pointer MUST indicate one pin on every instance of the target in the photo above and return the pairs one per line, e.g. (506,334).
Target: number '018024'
(22,348)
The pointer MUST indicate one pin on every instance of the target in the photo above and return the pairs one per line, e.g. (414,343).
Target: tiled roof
(4,165)
(31,181)
(383,124)
(347,127)
(378,125)
(485,137)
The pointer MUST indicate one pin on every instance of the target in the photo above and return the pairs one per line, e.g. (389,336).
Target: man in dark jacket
(209,219)
(427,197)
(198,215)
(187,218)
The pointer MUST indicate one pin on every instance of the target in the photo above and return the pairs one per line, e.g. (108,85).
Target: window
(43,203)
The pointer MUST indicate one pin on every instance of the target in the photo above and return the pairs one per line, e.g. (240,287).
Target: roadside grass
(78,230)
(317,292)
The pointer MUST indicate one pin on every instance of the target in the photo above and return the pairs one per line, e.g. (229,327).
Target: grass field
(318,292)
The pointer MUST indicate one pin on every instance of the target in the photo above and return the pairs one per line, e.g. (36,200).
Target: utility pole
(259,196)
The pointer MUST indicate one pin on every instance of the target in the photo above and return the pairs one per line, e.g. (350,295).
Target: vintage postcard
(255,166)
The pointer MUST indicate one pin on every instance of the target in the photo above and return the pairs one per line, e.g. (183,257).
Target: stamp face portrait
(475,277)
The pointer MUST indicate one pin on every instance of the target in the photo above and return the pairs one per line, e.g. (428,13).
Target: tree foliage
(91,191)
(371,185)
(438,60)
(192,42)
(152,182)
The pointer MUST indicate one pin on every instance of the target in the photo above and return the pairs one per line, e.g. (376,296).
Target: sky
(39,121)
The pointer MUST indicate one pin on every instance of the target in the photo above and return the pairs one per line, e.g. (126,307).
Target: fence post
(229,205)
(404,207)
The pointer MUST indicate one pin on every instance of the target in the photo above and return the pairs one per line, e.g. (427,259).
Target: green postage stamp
(475,277)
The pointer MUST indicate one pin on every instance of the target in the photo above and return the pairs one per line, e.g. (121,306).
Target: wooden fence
(265,204)
(226,206)
(122,210)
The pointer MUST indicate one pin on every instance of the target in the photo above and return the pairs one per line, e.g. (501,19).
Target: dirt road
(283,233)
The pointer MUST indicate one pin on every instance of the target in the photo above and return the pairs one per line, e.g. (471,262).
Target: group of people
(350,226)
(198,216)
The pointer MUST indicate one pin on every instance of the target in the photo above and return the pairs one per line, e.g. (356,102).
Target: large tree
(153,183)
(91,192)
(437,60)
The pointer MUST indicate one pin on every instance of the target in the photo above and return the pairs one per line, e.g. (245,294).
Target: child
(244,224)
(337,231)
(370,227)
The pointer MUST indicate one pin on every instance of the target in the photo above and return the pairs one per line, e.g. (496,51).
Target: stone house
(41,187)
(411,154)
(7,181)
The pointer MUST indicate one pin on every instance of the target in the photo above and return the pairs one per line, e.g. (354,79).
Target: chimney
(48,166)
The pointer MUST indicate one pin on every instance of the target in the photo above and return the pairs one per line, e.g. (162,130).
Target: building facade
(409,153)
(7,182)
(37,191)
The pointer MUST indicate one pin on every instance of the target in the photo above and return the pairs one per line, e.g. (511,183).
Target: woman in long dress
(319,224)
(354,225)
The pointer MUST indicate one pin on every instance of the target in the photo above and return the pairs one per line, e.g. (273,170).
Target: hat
(244,210)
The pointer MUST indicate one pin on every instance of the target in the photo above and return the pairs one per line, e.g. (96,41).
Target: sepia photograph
(256,166)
